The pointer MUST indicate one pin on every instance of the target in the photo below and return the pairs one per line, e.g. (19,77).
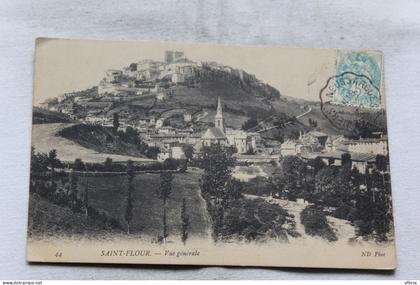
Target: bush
(105,218)
(342,212)
(254,219)
(259,186)
(316,223)
(170,163)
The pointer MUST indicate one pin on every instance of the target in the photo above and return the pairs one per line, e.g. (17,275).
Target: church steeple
(218,120)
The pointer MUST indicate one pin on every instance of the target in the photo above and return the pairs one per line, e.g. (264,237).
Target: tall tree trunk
(86,197)
(164,222)
(52,175)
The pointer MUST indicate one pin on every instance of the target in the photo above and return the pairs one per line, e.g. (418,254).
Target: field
(46,218)
(107,194)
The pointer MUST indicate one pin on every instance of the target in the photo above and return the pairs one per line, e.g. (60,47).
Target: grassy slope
(45,138)
(376,117)
(232,98)
(46,218)
(107,194)
(99,138)
(42,116)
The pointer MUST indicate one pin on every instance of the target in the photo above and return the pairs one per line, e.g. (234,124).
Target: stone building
(375,146)
(173,56)
(244,142)
(113,76)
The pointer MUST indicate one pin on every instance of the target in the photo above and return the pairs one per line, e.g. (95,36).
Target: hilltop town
(144,96)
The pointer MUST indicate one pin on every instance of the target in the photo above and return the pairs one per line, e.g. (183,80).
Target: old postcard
(205,154)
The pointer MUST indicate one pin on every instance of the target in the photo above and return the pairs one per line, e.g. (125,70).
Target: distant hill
(42,116)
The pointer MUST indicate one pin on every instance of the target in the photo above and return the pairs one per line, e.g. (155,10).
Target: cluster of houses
(146,76)
(330,149)
(170,140)
(249,149)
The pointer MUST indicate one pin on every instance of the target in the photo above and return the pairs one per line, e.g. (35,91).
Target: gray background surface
(392,26)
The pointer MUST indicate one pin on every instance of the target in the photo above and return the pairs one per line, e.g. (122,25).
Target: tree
(381,162)
(116,121)
(364,215)
(233,191)
(86,197)
(249,124)
(316,223)
(217,162)
(108,164)
(170,164)
(345,159)
(327,185)
(73,190)
(152,152)
(318,164)
(53,162)
(39,161)
(128,198)
(166,123)
(165,190)
(278,136)
(216,183)
(182,165)
(79,165)
(312,123)
(294,172)
(346,188)
(185,222)
(188,151)
(381,205)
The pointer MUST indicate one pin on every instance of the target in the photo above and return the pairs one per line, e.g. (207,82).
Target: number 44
(58,254)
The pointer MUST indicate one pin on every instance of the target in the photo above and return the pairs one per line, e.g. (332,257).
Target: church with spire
(218,119)
(216,134)
(244,142)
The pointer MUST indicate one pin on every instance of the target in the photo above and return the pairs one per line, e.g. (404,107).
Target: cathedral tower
(218,120)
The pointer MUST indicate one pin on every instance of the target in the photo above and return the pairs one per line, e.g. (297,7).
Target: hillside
(42,116)
(45,138)
(46,218)
(196,98)
(105,140)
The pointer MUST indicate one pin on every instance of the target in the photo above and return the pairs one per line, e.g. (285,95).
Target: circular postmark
(347,97)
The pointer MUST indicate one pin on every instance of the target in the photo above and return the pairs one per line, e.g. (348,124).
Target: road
(285,124)
(303,114)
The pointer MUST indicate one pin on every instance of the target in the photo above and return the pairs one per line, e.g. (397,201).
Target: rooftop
(370,157)
(213,133)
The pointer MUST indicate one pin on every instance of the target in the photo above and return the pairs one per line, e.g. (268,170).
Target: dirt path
(200,116)
(342,228)
(204,212)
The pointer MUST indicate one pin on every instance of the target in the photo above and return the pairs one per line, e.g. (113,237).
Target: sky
(72,65)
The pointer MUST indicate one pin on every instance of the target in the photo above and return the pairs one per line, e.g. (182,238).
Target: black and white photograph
(169,153)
